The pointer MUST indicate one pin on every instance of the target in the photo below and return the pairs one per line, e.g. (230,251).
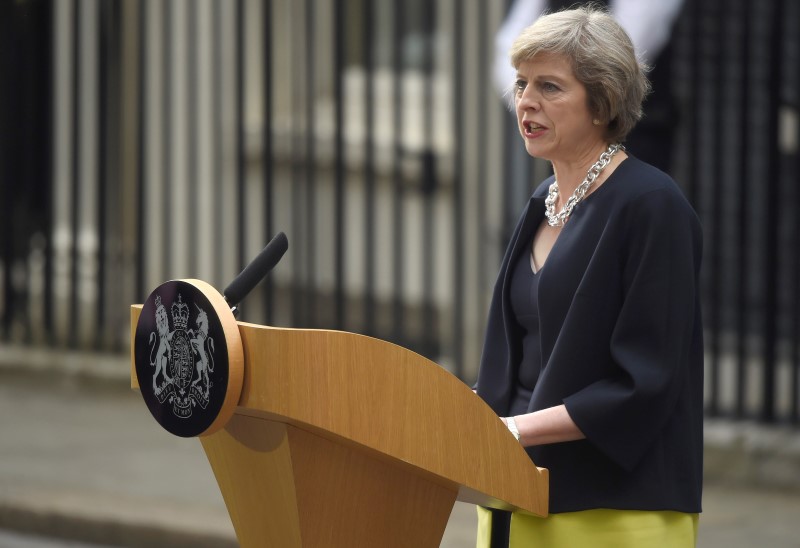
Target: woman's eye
(519,86)
(549,86)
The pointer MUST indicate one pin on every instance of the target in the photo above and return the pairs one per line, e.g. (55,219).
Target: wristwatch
(512,425)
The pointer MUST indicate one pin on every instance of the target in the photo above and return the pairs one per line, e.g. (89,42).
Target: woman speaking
(593,354)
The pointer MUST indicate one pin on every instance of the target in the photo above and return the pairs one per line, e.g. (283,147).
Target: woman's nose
(528,99)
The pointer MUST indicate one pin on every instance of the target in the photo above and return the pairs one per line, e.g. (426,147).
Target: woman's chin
(537,151)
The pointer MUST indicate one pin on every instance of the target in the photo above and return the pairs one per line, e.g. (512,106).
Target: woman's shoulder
(646,193)
(635,179)
(641,177)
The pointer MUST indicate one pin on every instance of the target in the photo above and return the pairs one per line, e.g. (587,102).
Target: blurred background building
(145,140)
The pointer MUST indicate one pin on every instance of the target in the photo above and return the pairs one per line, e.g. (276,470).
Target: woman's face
(552,111)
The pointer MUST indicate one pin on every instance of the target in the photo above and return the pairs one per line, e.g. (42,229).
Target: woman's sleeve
(651,342)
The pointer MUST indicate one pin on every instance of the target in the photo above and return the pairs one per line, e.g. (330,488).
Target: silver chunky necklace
(558,219)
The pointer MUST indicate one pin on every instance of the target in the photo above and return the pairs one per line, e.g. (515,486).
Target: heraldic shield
(188,358)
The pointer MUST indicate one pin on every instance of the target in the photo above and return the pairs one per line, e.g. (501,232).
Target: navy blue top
(525,305)
(621,345)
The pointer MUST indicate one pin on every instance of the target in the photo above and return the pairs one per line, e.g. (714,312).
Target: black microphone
(259,267)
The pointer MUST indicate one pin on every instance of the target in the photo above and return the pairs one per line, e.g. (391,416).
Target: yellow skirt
(596,529)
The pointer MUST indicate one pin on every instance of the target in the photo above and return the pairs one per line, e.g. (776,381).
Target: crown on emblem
(180,314)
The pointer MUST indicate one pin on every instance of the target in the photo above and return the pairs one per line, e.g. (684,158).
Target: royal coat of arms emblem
(181,357)
(188,357)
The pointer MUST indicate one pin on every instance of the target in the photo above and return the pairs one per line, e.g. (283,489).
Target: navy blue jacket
(621,342)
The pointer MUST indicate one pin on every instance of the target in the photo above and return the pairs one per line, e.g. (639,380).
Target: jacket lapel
(533,217)
(530,223)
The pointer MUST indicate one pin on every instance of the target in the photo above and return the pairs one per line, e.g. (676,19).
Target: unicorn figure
(203,347)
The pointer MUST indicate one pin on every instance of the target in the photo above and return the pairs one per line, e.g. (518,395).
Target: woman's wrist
(552,425)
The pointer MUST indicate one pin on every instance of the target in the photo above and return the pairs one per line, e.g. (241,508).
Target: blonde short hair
(603,60)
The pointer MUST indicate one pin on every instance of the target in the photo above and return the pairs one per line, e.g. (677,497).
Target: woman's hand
(552,425)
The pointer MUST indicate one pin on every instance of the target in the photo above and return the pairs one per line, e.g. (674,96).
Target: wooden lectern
(342,440)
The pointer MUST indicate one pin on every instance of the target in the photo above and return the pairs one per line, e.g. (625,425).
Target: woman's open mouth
(532,129)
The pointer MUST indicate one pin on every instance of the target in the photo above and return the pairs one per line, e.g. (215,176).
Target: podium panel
(287,487)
